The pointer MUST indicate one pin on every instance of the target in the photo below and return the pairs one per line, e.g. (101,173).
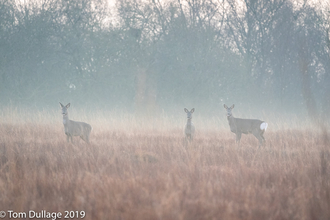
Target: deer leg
(238,137)
(262,135)
(264,140)
(67,138)
(258,136)
(187,139)
(190,137)
(85,138)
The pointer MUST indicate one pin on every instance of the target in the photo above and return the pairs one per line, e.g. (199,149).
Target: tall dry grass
(139,170)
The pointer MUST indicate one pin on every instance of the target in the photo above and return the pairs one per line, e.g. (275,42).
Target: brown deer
(189,128)
(241,126)
(74,128)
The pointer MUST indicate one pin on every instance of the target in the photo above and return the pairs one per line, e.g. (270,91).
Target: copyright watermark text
(43,214)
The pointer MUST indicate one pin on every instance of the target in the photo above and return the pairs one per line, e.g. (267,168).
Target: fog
(158,57)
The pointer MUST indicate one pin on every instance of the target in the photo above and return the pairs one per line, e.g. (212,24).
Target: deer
(241,126)
(74,128)
(189,128)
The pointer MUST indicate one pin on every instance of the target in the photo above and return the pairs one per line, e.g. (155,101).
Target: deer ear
(225,106)
(232,106)
(61,105)
(186,110)
(67,106)
(192,110)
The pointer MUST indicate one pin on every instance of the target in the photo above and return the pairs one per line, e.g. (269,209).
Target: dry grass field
(136,171)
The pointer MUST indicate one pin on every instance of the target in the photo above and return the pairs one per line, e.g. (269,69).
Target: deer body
(189,128)
(241,126)
(74,128)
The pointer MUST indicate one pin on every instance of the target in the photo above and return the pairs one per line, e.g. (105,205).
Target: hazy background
(157,57)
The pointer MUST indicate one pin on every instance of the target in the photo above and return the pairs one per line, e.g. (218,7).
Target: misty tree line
(152,54)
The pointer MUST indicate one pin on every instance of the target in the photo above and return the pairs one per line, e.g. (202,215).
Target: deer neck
(189,121)
(66,120)
(230,118)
